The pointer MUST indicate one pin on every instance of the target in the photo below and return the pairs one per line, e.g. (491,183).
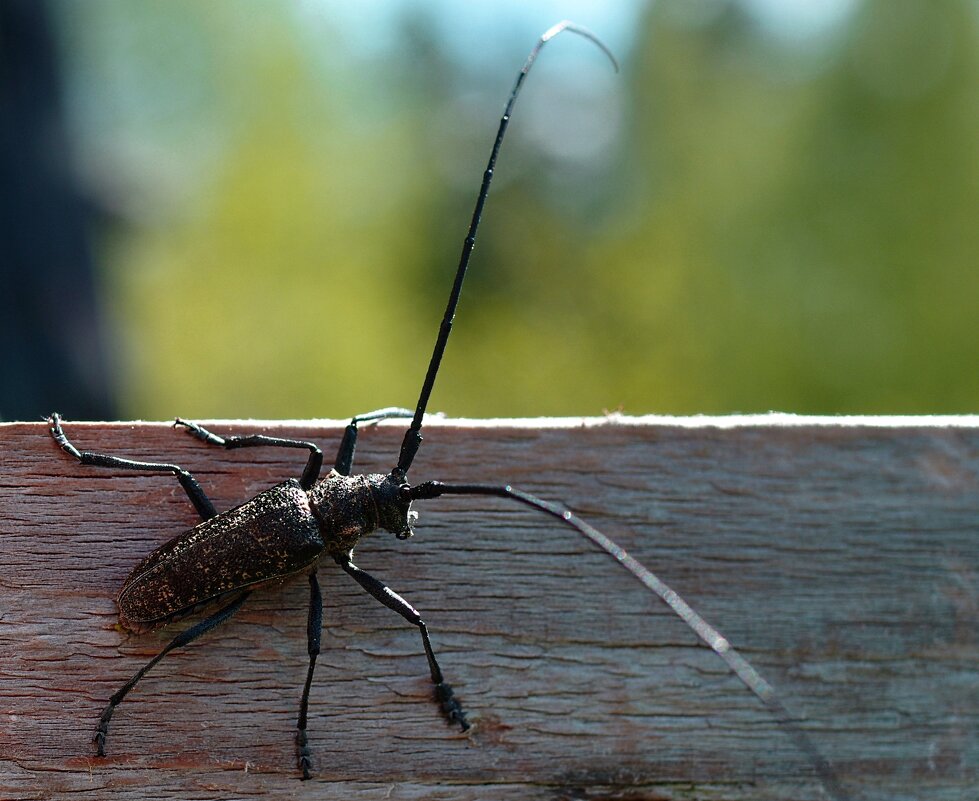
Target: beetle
(292,527)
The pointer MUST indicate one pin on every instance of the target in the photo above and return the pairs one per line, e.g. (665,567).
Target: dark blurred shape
(51,343)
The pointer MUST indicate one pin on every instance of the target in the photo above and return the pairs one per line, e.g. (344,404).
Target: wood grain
(842,559)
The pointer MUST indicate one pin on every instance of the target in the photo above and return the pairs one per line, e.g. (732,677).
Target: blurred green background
(772,206)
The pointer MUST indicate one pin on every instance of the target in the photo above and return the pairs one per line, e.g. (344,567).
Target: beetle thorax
(350,507)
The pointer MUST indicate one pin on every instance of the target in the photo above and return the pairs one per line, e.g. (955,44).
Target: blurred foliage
(736,222)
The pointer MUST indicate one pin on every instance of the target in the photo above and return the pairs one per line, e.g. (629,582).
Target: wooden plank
(841,557)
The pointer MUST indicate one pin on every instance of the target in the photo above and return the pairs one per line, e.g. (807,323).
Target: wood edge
(767,420)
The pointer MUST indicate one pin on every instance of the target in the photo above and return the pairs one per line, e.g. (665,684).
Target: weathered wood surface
(841,559)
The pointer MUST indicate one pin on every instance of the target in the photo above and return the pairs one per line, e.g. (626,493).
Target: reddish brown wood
(842,559)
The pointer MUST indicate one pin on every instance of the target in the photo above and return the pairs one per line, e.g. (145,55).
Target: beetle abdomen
(267,538)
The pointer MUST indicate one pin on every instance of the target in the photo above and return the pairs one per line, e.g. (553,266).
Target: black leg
(197,497)
(443,692)
(314,626)
(313,466)
(183,638)
(345,455)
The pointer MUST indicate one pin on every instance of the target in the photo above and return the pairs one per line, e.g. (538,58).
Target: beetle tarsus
(102,731)
(305,757)
(59,436)
(450,705)
(198,432)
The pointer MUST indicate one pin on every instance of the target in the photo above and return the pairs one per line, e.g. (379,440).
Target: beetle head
(394,512)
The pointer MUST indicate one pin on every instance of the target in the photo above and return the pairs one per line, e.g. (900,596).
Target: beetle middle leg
(313,465)
(314,626)
(197,497)
(184,638)
(443,692)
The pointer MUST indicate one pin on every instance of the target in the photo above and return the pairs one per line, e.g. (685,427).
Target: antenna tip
(568,25)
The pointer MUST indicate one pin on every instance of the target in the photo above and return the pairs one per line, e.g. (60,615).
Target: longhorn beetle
(291,527)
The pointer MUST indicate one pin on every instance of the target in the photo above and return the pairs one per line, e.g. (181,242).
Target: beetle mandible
(291,527)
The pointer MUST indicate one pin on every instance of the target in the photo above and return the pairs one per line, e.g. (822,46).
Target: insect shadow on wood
(290,528)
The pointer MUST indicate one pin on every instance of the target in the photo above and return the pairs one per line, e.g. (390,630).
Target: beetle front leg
(443,692)
(345,455)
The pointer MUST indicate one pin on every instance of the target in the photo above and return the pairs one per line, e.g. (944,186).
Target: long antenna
(710,636)
(413,438)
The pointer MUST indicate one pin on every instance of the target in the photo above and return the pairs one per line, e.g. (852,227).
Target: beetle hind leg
(184,638)
(197,497)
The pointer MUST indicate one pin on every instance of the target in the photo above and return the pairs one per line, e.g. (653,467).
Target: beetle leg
(197,497)
(184,638)
(313,465)
(314,626)
(443,692)
(345,455)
